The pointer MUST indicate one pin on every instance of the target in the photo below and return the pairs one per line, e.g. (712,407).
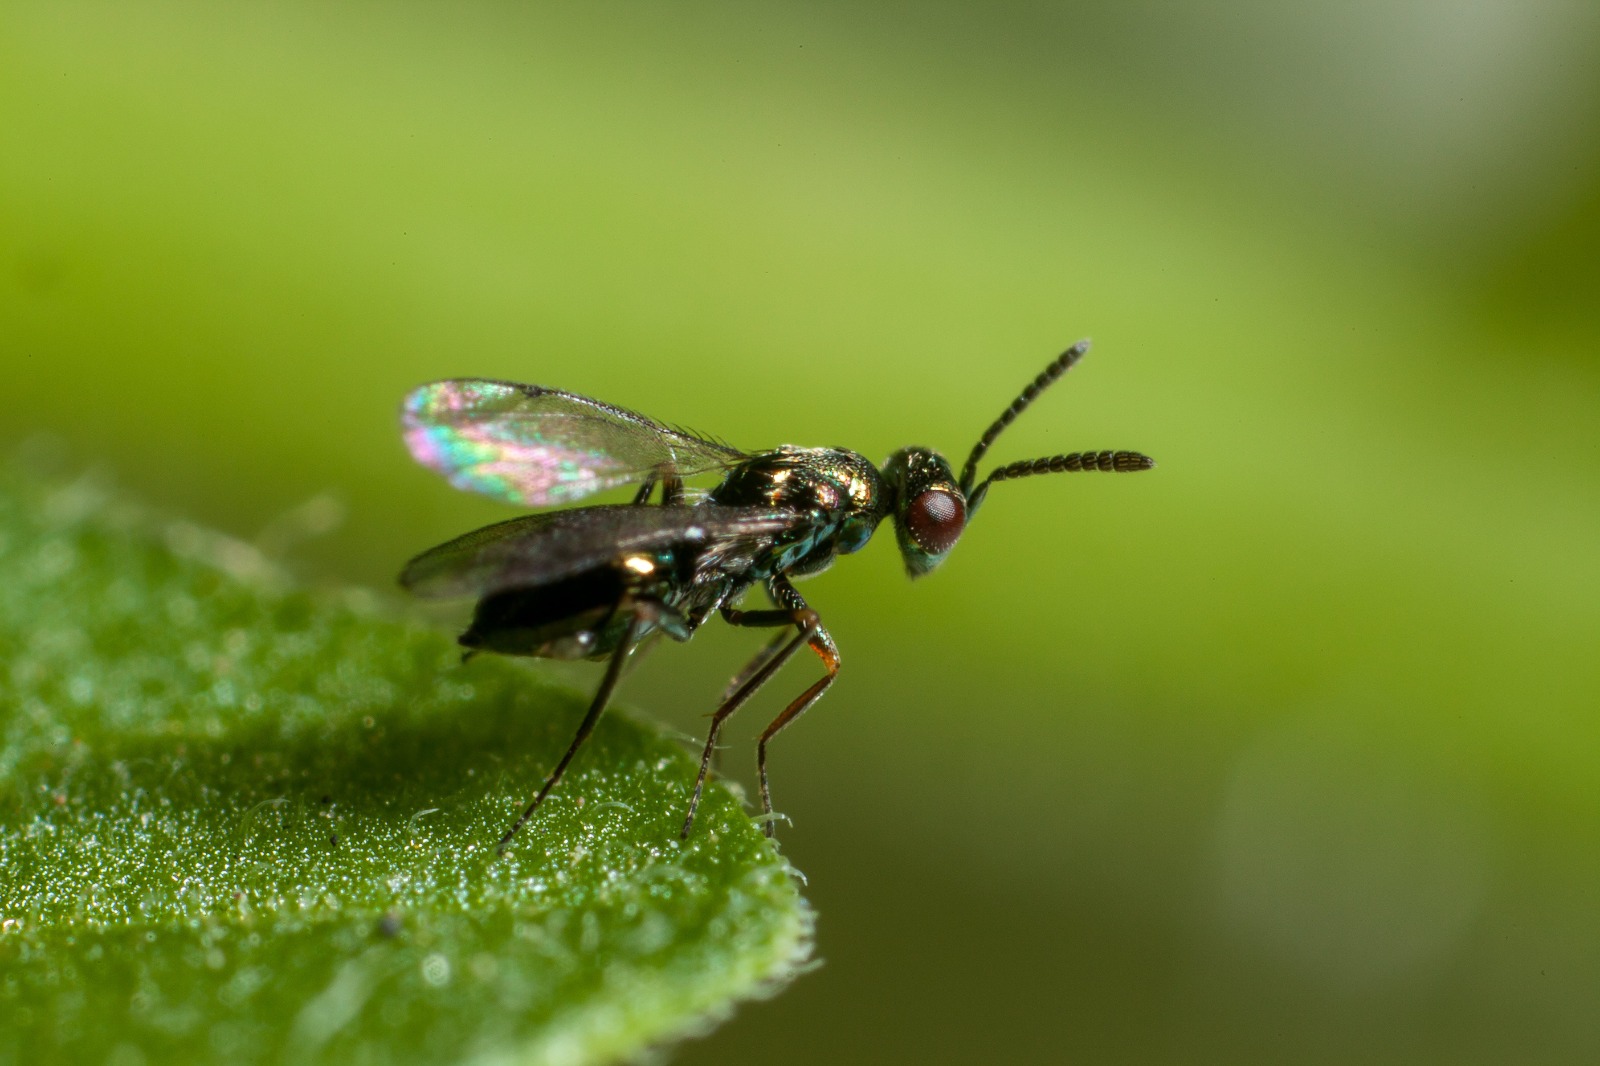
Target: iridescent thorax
(840,489)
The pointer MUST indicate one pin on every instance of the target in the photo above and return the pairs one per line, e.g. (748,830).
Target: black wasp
(593,582)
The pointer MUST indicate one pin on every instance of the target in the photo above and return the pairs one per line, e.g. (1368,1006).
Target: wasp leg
(768,662)
(671,487)
(644,612)
(668,623)
(757,661)
(819,642)
(648,641)
(645,488)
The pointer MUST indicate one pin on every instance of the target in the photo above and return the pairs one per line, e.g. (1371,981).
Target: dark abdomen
(558,620)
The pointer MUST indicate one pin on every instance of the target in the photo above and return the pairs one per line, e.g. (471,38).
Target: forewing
(531,445)
(538,549)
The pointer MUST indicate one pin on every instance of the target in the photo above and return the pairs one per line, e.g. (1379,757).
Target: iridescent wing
(539,549)
(531,445)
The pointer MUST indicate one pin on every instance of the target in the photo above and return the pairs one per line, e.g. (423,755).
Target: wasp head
(930,510)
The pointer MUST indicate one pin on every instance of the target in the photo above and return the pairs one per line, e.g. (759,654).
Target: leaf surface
(241,822)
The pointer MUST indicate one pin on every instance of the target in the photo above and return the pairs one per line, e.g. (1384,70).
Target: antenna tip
(1126,461)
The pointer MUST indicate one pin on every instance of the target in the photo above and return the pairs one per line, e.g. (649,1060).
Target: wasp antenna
(1047,377)
(1110,462)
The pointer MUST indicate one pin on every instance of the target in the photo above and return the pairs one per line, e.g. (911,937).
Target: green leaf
(241,823)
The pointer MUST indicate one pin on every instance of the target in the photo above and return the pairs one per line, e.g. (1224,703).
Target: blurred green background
(1286,751)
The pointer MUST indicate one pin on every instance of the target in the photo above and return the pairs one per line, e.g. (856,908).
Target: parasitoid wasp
(594,582)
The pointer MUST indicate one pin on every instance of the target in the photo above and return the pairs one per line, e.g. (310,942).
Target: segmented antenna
(1047,377)
(1109,461)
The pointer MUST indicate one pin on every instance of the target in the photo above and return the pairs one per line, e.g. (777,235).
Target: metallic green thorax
(839,489)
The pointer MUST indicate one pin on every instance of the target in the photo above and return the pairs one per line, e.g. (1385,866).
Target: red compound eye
(935,520)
